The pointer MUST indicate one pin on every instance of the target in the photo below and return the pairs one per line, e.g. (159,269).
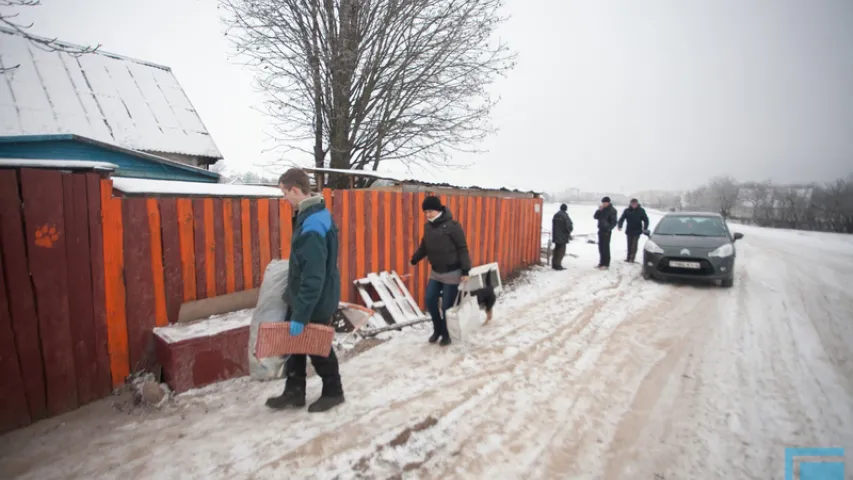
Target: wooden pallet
(395,303)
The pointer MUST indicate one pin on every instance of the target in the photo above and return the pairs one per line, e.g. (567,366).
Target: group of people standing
(607,217)
(313,285)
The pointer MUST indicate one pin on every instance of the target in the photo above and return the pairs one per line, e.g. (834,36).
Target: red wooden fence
(88,275)
(53,350)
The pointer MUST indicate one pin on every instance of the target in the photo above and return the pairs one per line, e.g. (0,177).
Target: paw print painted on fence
(46,236)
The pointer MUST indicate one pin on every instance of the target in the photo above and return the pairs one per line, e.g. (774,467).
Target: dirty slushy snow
(581,374)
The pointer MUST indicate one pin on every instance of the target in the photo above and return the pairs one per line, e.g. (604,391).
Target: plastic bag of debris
(271,308)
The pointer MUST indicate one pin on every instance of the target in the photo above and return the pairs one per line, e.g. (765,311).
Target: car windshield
(691,226)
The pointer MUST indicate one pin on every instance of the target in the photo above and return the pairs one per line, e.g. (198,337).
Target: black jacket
(561,228)
(636,218)
(606,218)
(444,245)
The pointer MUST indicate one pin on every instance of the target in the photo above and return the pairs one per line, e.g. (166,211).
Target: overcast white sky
(608,95)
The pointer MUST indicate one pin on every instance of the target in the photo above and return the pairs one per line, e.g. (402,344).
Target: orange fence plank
(114,291)
(209,249)
(256,243)
(237,232)
(275,229)
(479,216)
(246,230)
(360,266)
(328,198)
(376,222)
(227,219)
(264,234)
(286,221)
(488,233)
(423,267)
(161,318)
(387,232)
(398,248)
(341,204)
(219,274)
(187,241)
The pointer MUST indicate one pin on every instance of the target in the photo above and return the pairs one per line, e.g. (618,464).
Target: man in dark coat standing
(638,222)
(561,232)
(607,220)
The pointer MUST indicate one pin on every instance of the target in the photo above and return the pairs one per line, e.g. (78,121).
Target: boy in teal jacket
(313,291)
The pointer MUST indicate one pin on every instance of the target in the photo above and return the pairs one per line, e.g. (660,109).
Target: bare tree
(8,18)
(725,192)
(758,196)
(373,81)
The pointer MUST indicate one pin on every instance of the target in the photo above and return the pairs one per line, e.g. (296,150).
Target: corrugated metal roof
(106,97)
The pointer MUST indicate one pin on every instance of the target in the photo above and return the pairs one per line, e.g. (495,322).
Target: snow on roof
(58,164)
(100,95)
(163,187)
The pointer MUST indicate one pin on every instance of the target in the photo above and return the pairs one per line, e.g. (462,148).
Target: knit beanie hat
(432,203)
(605,200)
(564,207)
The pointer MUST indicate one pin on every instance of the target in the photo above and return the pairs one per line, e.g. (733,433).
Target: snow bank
(205,328)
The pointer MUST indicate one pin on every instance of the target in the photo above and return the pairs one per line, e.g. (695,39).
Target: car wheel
(728,282)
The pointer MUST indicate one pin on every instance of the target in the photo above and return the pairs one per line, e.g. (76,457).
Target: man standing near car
(561,231)
(638,222)
(313,291)
(607,220)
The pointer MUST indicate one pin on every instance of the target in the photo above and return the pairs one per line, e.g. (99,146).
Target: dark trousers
(559,253)
(296,369)
(633,238)
(326,367)
(447,293)
(604,248)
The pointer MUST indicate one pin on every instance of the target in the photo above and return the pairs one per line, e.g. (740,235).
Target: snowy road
(582,374)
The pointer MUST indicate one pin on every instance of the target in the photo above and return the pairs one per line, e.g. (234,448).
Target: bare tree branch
(8,19)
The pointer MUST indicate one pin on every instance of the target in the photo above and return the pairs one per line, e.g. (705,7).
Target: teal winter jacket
(314,282)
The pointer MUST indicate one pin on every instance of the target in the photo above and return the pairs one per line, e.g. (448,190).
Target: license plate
(677,264)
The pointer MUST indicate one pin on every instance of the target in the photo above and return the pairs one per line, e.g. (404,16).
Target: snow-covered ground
(582,374)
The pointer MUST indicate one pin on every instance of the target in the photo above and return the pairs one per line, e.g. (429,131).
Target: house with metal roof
(100,107)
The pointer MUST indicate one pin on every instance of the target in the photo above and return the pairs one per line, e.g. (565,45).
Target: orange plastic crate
(274,340)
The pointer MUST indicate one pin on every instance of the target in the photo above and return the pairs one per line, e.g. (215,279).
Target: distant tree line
(813,206)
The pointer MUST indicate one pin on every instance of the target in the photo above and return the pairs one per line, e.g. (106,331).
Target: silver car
(688,245)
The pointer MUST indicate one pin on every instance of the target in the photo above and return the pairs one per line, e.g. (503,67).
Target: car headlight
(724,251)
(652,247)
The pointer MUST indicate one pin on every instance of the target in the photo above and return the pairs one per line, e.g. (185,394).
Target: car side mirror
(738,236)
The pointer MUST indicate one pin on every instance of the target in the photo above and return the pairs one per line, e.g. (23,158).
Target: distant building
(57,106)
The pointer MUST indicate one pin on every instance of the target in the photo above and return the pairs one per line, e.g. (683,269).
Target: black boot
(434,338)
(292,397)
(445,341)
(332,396)
(325,403)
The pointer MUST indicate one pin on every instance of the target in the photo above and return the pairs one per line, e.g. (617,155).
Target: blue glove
(296,328)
